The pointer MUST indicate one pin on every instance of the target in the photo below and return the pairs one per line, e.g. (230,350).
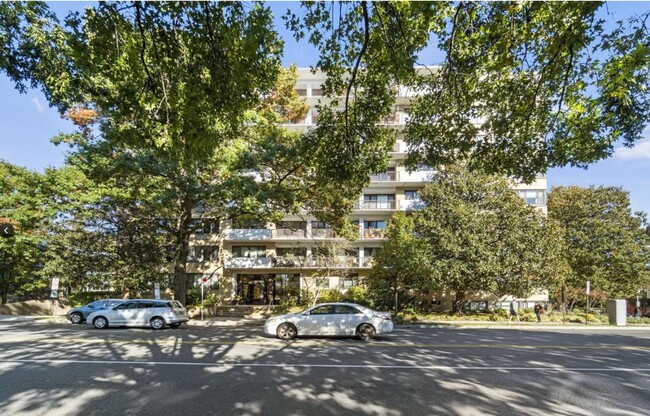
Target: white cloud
(38,104)
(640,151)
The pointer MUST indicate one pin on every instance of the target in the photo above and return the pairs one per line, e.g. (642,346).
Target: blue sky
(27,124)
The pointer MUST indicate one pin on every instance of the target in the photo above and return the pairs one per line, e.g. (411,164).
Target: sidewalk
(243,322)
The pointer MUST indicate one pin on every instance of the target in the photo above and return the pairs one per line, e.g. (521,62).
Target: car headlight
(272,321)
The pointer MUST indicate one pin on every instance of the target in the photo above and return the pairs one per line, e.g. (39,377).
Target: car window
(127,305)
(323,310)
(145,304)
(162,305)
(346,310)
(177,304)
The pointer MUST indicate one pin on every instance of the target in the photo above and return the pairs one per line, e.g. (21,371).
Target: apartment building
(264,263)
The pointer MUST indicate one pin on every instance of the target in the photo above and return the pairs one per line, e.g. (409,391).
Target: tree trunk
(459,302)
(179,283)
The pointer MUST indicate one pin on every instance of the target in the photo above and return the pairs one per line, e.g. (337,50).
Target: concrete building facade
(262,264)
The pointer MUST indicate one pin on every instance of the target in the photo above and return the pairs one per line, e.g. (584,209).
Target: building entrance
(256,289)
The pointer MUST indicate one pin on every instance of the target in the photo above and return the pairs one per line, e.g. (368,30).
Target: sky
(27,124)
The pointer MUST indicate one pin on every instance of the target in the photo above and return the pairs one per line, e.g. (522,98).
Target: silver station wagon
(141,312)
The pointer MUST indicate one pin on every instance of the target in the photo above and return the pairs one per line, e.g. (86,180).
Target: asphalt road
(61,369)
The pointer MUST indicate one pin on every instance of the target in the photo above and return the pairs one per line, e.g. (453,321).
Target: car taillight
(386,318)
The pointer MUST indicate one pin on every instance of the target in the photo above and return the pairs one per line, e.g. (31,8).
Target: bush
(358,294)
(331,295)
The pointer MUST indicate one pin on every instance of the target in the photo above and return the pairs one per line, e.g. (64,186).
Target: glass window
(291,225)
(249,251)
(378,225)
(411,195)
(248,224)
(323,310)
(320,225)
(346,310)
(203,253)
(348,281)
(291,251)
(145,304)
(128,305)
(316,92)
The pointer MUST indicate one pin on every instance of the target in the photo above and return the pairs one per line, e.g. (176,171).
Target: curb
(233,322)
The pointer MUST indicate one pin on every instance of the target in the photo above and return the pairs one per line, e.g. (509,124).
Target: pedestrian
(538,312)
(513,312)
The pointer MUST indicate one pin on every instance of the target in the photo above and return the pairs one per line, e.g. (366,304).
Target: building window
(384,201)
(377,225)
(411,195)
(205,226)
(346,282)
(316,92)
(249,251)
(247,224)
(533,197)
(291,225)
(320,225)
(302,92)
(291,251)
(203,253)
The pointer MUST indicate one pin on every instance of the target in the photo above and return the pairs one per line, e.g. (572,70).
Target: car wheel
(174,325)
(286,331)
(366,331)
(76,318)
(157,323)
(100,322)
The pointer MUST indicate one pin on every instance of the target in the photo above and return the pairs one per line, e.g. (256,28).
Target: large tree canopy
(523,86)
(181,106)
(606,243)
(481,237)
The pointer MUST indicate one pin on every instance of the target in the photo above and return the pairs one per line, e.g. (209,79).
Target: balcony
(287,233)
(289,261)
(377,205)
(412,204)
(373,233)
(240,234)
(417,176)
(322,233)
(384,177)
(247,262)
(367,261)
(337,261)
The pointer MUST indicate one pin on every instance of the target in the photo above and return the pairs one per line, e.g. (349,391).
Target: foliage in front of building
(473,235)
(606,243)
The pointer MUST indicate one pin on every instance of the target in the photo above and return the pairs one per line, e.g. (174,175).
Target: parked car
(141,312)
(79,315)
(331,319)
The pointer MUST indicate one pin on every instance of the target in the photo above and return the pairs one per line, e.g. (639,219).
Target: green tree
(100,238)
(483,238)
(523,86)
(605,242)
(402,266)
(23,205)
(182,102)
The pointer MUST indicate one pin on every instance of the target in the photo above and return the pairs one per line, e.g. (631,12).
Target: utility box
(617,311)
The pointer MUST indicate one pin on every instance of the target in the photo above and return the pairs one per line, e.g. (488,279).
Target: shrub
(358,294)
(331,295)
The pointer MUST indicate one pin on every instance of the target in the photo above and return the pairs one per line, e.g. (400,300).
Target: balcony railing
(322,233)
(289,233)
(378,205)
(289,261)
(242,234)
(247,262)
(384,177)
(338,261)
(373,233)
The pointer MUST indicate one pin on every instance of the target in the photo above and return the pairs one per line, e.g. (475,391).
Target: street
(63,369)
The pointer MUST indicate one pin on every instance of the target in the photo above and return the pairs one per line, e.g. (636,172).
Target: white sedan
(331,319)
